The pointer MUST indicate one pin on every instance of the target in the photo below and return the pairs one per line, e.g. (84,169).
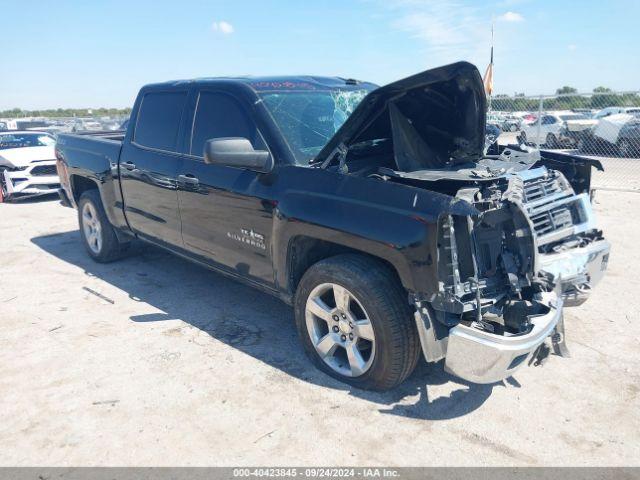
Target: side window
(219,115)
(548,120)
(159,120)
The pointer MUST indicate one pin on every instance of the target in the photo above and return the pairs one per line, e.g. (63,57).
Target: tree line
(65,112)
(567,99)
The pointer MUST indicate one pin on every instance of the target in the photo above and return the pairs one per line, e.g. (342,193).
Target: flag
(488,74)
(488,80)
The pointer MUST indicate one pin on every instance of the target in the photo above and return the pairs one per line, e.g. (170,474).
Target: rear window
(159,120)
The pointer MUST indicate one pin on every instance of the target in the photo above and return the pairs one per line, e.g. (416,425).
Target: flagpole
(491,63)
(487,80)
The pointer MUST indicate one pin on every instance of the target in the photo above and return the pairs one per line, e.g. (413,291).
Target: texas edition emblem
(249,237)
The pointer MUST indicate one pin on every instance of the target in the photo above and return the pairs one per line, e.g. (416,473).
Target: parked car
(556,129)
(506,121)
(27,164)
(511,123)
(614,135)
(373,211)
(86,125)
(605,112)
(629,138)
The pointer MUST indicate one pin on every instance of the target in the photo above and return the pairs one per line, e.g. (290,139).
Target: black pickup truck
(376,212)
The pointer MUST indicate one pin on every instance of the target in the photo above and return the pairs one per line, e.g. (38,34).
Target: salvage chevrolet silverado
(375,212)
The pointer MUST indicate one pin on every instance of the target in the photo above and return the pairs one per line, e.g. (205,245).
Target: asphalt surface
(155,361)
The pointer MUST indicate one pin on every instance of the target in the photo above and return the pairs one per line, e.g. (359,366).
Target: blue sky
(98,53)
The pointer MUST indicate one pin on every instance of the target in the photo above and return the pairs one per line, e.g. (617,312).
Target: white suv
(556,129)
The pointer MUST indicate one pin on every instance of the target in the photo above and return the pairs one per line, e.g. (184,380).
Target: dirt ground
(155,361)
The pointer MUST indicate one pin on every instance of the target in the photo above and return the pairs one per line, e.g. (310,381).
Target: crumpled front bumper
(483,357)
(578,269)
(29,181)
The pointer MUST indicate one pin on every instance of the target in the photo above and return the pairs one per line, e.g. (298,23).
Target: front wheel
(552,141)
(98,235)
(4,195)
(355,322)
(522,138)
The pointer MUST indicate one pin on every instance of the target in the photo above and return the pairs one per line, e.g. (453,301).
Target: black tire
(625,148)
(4,196)
(522,138)
(551,141)
(384,299)
(111,248)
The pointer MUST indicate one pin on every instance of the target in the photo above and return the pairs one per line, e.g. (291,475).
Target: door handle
(188,179)
(129,165)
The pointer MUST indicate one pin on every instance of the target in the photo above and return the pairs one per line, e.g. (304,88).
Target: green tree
(566,90)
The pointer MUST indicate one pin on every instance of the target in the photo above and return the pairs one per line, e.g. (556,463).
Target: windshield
(20,140)
(308,119)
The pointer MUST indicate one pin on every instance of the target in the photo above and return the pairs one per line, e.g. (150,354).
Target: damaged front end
(504,273)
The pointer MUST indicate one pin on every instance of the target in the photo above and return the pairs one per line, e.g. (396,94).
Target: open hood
(435,119)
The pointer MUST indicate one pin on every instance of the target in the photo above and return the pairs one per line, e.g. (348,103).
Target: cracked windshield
(309,119)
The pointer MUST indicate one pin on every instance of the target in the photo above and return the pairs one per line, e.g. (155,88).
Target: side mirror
(237,152)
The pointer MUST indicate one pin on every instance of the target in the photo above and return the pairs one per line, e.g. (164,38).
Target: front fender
(393,222)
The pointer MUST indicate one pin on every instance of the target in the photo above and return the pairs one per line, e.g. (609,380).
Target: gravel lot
(155,361)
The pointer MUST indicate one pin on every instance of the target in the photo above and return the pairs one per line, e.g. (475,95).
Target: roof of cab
(275,83)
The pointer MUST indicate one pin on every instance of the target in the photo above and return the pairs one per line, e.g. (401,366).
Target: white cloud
(511,17)
(223,27)
(572,47)
(449,29)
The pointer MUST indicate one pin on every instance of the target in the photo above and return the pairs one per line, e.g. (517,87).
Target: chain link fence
(604,125)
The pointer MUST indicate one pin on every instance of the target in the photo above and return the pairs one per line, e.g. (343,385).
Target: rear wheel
(98,235)
(551,141)
(355,322)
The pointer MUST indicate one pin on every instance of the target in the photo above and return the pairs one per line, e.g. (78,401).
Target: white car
(86,125)
(556,129)
(27,164)
(605,112)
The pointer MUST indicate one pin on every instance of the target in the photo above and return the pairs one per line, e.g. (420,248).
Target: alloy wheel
(340,330)
(92,227)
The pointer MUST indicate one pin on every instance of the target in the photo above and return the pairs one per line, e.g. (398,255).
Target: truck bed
(106,134)
(94,151)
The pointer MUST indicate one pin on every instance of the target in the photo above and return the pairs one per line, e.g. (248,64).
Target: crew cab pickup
(375,212)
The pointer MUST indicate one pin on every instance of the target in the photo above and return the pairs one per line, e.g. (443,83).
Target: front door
(226,212)
(149,166)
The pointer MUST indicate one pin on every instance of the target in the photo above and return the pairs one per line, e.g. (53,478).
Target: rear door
(226,212)
(149,164)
